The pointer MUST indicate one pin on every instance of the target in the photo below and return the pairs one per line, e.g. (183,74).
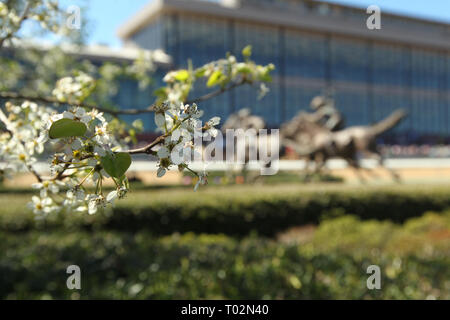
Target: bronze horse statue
(316,143)
(251,141)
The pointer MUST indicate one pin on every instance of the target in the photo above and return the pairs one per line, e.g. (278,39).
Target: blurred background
(285,237)
(318,48)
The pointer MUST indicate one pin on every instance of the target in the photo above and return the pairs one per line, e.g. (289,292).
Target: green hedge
(235,210)
(331,264)
(218,210)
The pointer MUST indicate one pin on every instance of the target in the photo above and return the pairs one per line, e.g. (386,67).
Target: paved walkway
(410,171)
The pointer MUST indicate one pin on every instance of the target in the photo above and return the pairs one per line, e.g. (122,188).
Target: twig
(115,113)
(144,150)
(33,172)
(148,148)
(60,175)
(217,92)
(50,100)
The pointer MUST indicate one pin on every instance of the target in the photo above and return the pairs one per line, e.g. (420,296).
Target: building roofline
(128,53)
(388,13)
(100,52)
(140,19)
(291,19)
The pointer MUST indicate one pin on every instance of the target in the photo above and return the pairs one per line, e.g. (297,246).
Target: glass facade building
(316,47)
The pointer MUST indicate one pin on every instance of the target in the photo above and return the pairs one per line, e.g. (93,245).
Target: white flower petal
(163,152)
(80,112)
(68,115)
(214,121)
(111,196)
(92,207)
(76,145)
(176,135)
(160,120)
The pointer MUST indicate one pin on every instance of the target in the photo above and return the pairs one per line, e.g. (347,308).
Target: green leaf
(265,73)
(265,78)
(215,78)
(247,51)
(199,73)
(160,92)
(65,128)
(182,75)
(116,164)
(244,69)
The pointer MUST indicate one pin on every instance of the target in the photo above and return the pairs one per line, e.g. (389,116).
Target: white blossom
(73,88)
(101,134)
(48,186)
(112,196)
(163,152)
(43,205)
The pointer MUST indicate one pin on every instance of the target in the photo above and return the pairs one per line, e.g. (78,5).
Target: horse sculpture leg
(319,160)
(376,155)
(353,163)
(395,176)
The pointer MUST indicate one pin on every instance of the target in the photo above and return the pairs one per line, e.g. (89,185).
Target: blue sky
(428,9)
(107,15)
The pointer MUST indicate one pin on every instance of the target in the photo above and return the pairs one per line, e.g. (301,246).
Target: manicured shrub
(236,210)
(331,264)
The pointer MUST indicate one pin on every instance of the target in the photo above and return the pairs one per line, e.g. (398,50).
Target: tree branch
(148,148)
(115,113)
(144,150)
(34,172)
(216,93)
(51,100)
(60,174)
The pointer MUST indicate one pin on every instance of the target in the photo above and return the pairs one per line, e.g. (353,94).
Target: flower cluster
(221,73)
(179,84)
(74,89)
(97,144)
(25,137)
(9,16)
(81,161)
(181,125)
(47,13)
(142,67)
(78,164)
